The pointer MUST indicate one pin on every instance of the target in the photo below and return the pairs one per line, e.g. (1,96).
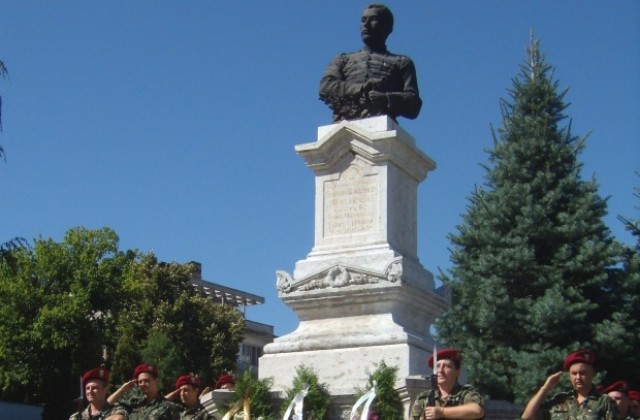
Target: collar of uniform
(594,394)
(368,49)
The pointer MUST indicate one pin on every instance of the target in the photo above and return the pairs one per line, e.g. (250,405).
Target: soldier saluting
(584,401)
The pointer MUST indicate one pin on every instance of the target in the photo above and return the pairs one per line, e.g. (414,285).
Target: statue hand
(371,85)
(378,99)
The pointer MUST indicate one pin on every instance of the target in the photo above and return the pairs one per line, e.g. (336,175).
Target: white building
(256,335)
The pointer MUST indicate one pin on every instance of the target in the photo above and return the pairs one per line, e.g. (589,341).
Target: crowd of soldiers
(449,400)
(140,398)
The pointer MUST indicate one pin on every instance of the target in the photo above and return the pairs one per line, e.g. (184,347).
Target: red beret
(145,368)
(634,395)
(225,379)
(97,373)
(622,386)
(190,379)
(580,356)
(451,354)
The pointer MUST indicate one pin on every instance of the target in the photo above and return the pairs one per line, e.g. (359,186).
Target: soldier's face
(148,385)
(373,27)
(95,391)
(581,376)
(447,373)
(622,399)
(188,395)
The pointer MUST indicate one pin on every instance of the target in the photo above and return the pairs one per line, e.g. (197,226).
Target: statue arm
(407,102)
(333,83)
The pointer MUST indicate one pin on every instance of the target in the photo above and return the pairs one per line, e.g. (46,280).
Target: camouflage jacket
(564,406)
(158,409)
(107,411)
(460,394)
(197,413)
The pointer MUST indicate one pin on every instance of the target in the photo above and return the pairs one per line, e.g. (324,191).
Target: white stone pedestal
(361,294)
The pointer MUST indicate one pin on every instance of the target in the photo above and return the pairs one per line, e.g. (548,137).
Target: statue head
(376,24)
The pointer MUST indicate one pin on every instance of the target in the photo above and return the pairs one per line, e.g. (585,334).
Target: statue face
(373,27)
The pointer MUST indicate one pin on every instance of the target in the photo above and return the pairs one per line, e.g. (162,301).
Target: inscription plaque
(351,203)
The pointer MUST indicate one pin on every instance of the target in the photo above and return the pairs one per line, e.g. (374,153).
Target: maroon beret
(145,368)
(97,373)
(225,379)
(622,386)
(451,354)
(634,395)
(580,356)
(190,379)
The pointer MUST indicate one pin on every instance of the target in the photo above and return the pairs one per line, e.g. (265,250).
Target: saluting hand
(552,381)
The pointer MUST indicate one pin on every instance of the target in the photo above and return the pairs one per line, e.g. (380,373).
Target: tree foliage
(621,334)
(534,264)
(80,303)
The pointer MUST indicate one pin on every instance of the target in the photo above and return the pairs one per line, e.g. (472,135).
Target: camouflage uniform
(158,409)
(460,395)
(197,413)
(107,411)
(564,406)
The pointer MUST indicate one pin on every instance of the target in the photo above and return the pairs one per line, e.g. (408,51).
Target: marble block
(361,294)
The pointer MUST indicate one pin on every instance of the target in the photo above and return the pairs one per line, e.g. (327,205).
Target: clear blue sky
(174,122)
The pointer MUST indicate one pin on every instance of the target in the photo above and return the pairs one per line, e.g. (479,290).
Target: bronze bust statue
(372,81)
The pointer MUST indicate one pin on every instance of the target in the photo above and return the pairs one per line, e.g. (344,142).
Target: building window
(249,356)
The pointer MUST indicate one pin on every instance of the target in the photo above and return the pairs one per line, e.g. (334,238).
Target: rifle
(431,401)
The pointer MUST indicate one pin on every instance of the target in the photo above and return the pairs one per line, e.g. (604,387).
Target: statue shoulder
(402,60)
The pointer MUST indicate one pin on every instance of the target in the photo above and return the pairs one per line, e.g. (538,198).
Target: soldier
(372,81)
(449,399)
(225,382)
(619,393)
(95,387)
(584,401)
(188,387)
(634,403)
(149,404)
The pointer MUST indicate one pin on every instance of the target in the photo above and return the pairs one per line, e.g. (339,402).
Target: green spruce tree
(620,335)
(532,260)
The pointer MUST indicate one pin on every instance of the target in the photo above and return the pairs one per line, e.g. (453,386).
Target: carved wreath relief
(338,276)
